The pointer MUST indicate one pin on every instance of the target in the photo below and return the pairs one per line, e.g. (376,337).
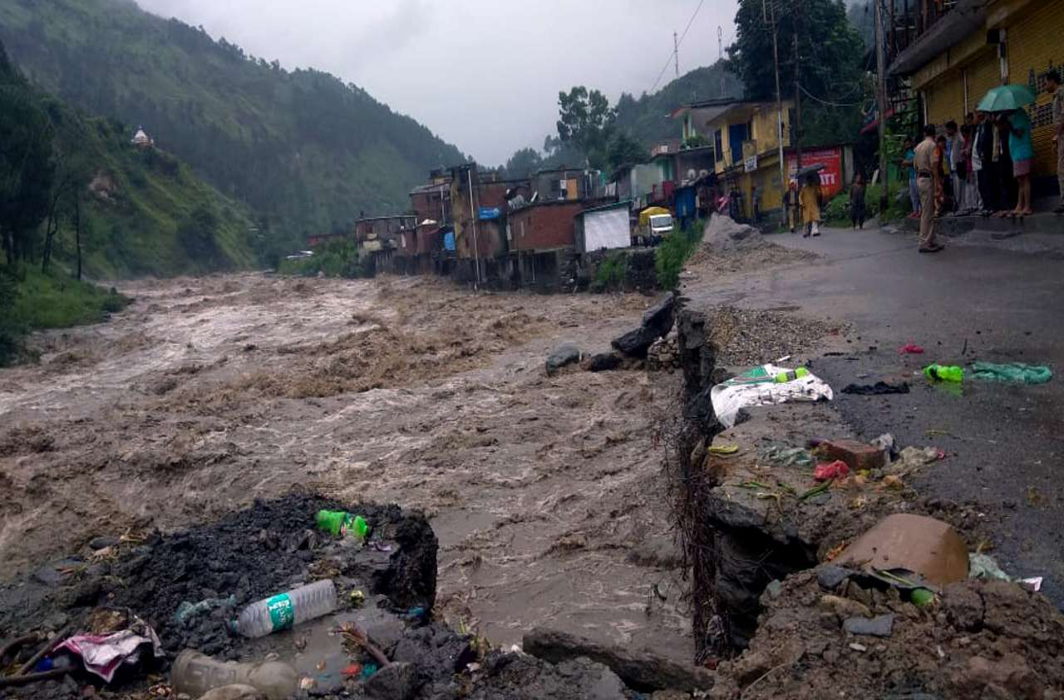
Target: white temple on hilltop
(141,139)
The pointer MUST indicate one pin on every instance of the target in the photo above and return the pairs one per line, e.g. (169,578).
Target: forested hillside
(304,151)
(646,118)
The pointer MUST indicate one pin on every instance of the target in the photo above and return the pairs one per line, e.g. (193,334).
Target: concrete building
(605,227)
(962,49)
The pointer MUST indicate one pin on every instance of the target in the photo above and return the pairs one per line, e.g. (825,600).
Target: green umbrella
(1006,98)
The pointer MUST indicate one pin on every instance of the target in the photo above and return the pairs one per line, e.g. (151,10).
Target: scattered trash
(286,610)
(928,547)
(816,491)
(338,522)
(834,470)
(858,647)
(910,349)
(723,450)
(352,670)
(892,481)
(357,597)
(415,613)
(357,636)
(944,373)
(885,442)
(983,566)
(186,610)
(1012,372)
(787,456)
(194,674)
(790,376)
(877,389)
(922,597)
(368,670)
(103,654)
(758,387)
(879,626)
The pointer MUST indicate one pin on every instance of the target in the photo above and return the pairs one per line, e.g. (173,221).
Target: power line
(676,51)
(828,102)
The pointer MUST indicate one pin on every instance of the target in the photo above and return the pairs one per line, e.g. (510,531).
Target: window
(718,144)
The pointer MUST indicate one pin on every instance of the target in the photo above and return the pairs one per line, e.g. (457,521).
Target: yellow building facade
(1006,41)
(746,141)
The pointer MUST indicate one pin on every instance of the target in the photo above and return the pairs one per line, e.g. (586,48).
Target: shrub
(611,272)
(674,251)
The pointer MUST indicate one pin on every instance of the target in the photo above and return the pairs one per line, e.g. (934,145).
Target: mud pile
(728,247)
(257,552)
(982,639)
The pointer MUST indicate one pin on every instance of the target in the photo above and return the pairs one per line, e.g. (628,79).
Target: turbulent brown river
(208,393)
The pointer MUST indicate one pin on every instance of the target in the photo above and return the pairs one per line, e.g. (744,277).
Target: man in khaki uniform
(1053,86)
(922,162)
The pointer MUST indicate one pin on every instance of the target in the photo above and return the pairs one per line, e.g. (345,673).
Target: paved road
(979,299)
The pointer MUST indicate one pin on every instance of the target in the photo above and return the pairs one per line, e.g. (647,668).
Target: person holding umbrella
(1022,150)
(1010,100)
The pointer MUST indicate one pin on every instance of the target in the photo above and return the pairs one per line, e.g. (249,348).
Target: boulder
(396,681)
(636,342)
(640,670)
(562,355)
(603,361)
(659,317)
(234,692)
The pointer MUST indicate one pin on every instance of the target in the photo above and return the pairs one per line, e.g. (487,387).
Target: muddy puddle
(208,393)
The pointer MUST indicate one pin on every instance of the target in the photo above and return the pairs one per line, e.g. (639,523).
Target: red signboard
(831,176)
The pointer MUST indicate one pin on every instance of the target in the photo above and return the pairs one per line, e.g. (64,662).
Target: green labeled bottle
(791,375)
(339,522)
(944,373)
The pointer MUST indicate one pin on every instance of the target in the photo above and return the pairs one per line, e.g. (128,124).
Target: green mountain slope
(646,118)
(139,211)
(304,151)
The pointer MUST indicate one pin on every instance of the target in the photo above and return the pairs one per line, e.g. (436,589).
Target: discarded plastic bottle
(944,373)
(286,610)
(194,674)
(340,522)
(791,375)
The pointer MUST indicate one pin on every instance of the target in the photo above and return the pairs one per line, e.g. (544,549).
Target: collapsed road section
(816,582)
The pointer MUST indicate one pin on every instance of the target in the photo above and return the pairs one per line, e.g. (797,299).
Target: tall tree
(817,41)
(585,120)
(523,163)
(26,168)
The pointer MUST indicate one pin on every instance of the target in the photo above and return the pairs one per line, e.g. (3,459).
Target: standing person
(983,162)
(1006,181)
(923,161)
(1053,86)
(790,206)
(958,177)
(1022,151)
(857,201)
(908,155)
(755,203)
(940,176)
(809,199)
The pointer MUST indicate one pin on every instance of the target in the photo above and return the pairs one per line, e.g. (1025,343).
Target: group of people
(983,167)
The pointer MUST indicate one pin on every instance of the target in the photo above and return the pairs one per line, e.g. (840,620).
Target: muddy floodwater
(208,393)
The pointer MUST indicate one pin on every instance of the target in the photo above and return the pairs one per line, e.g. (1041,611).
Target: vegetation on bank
(837,211)
(34,300)
(674,251)
(335,258)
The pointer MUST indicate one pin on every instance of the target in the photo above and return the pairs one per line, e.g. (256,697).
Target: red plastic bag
(834,470)
(911,349)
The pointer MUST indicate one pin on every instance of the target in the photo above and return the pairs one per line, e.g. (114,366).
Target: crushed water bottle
(195,674)
(280,612)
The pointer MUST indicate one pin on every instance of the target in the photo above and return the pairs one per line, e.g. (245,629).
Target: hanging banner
(831,176)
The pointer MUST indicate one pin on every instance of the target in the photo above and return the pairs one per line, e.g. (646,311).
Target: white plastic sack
(758,388)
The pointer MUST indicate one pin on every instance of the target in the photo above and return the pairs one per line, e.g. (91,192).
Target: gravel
(748,337)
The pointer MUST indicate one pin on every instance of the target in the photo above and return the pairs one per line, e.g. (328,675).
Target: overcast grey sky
(483,74)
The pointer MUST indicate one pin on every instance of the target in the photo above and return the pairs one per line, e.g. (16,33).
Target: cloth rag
(758,387)
(102,654)
(876,389)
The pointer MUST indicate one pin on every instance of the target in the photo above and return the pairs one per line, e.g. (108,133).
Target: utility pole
(881,99)
(796,128)
(720,56)
(473,220)
(676,53)
(770,19)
